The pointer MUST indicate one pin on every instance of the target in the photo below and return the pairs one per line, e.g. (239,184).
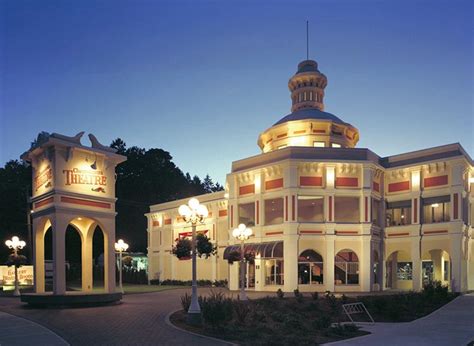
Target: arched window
(310,268)
(346,268)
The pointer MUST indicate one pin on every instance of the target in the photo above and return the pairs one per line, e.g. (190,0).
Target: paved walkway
(18,331)
(451,325)
(139,320)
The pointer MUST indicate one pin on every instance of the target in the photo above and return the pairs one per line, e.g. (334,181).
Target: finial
(307,40)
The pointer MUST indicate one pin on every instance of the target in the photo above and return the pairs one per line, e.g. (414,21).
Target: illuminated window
(319,144)
(311,96)
(305,95)
(247,214)
(335,145)
(346,209)
(310,209)
(273,211)
(376,209)
(398,213)
(310,268)
(436,209)
(346,268)
(404,271)
(274,271)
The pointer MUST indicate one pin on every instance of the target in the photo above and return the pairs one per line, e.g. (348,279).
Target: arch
(74,242)
(399,270)
(41,226)
(346,268)
(310,268)
(436,266)
(376,268)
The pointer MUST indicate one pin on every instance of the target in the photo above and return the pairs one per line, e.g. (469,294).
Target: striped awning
(272,249)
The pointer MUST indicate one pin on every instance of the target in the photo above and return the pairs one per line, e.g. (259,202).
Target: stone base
(72,299)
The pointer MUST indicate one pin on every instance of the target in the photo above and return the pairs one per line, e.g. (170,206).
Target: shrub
(216,309)
(280,293)
(344,299)
(182,249)
(204,246)
(154,281)
(298,295)
(315,295)
(241,310)
(186,301)
(322,322)
(343,329)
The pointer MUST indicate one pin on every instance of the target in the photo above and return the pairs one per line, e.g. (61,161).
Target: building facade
(326,215)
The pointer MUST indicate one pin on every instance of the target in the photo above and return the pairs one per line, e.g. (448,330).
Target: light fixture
(94,165)
(120,247)
(15,244)
(435,205)
(242,233)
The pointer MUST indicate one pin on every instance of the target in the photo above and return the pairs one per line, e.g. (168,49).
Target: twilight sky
(202,79)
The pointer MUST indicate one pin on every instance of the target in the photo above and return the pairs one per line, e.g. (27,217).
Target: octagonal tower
(308,125)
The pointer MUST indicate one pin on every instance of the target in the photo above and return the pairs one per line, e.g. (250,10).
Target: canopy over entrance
(272,249)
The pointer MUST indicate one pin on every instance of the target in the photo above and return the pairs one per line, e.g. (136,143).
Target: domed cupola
(308,125)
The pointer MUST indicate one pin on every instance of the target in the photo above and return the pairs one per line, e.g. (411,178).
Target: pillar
(365,267)
(109,260)
(329,263)
(290,265)
(87,265)
(458,265)
(416,262)
(38,259)
(234,276)
(59,226)
(437,259)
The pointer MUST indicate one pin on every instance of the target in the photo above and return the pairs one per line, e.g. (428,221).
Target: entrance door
(250,279)
(427,271)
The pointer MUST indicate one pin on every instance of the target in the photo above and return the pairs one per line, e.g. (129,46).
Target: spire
(307,40)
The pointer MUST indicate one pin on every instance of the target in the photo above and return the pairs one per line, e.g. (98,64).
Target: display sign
(77,176)
(7,275)
(43,178)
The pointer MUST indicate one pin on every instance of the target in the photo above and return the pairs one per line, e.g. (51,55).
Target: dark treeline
(147,177)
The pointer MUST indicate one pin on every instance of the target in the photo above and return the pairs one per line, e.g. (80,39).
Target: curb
(168,322)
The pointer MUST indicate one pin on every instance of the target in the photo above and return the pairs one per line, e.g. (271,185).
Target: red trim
(436,181)
(213,231)
(299,132)
(223,212)
(231,216)
(376,186)
(347,182)
(274,184)
(366,211)
(44,202)
(271,139)
(282,135)
(400,186)
(286,208)
(455,206)
(319,131)
(415,210)
(243,190)
(397,234)
(274,233)
(330,208)
(155,223)
(436,232)
(347,232)
(190,234)
(311,232)
(85,202)
(257,210)
(293,207)
(311,181)
(167,222)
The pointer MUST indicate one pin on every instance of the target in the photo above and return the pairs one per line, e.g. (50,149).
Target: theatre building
(326,215)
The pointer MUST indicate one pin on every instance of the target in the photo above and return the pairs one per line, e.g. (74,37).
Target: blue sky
(202,79)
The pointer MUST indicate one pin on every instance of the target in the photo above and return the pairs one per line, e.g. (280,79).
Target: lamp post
(193,213)
(120,246)
(242,233)
(16,244)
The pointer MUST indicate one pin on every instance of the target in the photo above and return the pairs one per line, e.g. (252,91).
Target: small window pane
(346,209)
(319,144)
(247,214)
(310,209)
(273,211)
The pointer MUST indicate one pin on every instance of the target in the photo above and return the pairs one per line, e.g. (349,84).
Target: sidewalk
(19,331)
(452,325)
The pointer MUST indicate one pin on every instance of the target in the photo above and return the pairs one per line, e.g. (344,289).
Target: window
(247,214)
(274,271)
(310,268)
(319,144)
(376,212)
(281,146)
(436,209)
(398,213)
(335,145)
(346,268)
(346,209)
(311,96)
(310,209)
(446,271)
(273,211)
(404,271)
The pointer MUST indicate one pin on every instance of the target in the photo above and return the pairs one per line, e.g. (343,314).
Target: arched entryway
(310,268)
(73,241)
(346,268)
(436,266)
(399,271)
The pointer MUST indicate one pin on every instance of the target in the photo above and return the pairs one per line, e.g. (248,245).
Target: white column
(329,263)
(38,253)
(290,255)
(416,261)
(365,268)
(59,226)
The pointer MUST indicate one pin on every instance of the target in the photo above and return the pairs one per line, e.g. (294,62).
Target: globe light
(202,211)
(184,210)
(193,203)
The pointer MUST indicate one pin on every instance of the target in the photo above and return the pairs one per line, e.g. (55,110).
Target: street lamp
(193,213)
(120,246)
(242,233)
(16,244)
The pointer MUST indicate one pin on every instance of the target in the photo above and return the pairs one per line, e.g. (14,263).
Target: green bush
(322,322)
(241,310)
(216,309)
(185,301)
(315,295)
(280,293)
